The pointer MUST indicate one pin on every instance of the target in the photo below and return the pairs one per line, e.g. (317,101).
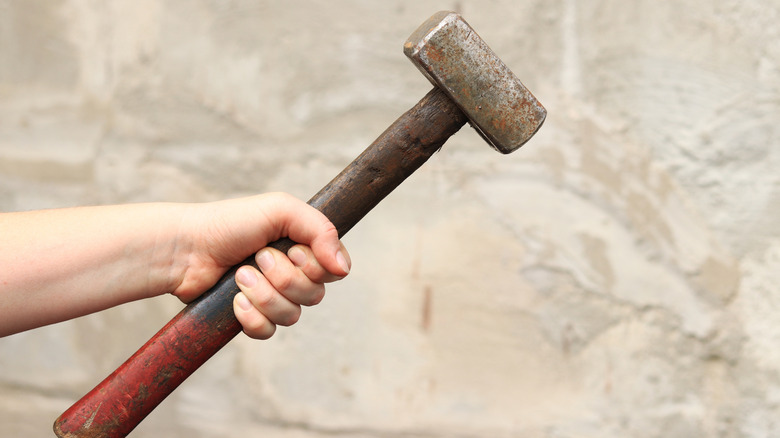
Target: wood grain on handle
(119,403)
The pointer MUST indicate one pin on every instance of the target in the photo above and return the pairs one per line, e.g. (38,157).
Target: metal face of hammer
(471,84)
(455,59)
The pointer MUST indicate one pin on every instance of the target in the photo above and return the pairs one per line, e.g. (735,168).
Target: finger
(303,257)
(289,280)
(265,298)
(255,324)
(306,225)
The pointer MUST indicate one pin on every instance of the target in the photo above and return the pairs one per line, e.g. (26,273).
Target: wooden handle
(119,403)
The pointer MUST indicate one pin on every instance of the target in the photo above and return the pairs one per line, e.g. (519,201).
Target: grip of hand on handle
(119,403)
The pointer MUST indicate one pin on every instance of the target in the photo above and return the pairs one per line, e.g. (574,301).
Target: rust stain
(427,308)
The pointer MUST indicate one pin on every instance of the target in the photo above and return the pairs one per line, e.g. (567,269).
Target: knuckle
(284,282)
(258,327)
(291,318)
(284,198)
(265,297)
(316,296)
(329,230)
(261,333)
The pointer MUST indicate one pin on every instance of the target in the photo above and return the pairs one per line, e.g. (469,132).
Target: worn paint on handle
(124,398)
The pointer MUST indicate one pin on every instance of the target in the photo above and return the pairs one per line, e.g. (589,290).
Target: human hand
(274,295)
(225,233)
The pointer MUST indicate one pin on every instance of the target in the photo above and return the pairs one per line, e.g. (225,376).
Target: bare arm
(60,264)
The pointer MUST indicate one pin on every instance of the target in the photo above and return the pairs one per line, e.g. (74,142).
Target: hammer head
(454,58)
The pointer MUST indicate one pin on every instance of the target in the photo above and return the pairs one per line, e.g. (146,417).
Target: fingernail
(342,261)
(297,256)
(246,277)
(243,301)
(265,260)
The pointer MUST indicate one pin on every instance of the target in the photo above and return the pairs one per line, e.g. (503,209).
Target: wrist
(189,269)
(171,247)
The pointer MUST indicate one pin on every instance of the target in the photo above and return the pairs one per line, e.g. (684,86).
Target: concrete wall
(618,276)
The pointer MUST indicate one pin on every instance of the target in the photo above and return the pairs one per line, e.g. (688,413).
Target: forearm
(60,264)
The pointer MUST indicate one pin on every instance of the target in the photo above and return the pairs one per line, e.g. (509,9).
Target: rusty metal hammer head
(454,58)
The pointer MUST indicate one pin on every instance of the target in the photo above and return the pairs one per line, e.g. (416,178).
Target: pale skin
(64,263)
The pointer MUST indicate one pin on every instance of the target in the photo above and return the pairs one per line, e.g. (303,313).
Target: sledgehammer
(470,84)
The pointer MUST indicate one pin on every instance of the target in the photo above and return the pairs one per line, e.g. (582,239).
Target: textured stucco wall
(618,276)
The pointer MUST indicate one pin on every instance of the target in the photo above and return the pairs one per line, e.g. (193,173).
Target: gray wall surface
(616,277)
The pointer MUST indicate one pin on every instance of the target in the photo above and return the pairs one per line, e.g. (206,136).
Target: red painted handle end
(121,401)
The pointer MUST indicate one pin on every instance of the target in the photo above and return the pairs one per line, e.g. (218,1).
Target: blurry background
(617,276)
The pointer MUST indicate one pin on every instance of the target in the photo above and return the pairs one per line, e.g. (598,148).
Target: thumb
(290,217)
